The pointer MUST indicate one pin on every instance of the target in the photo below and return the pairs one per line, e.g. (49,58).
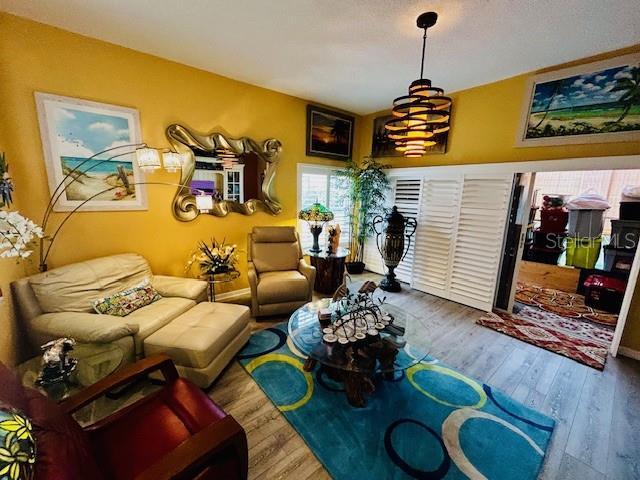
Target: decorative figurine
(334,238)
(57,365)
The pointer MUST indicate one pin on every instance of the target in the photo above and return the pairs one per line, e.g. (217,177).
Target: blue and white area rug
(431,422)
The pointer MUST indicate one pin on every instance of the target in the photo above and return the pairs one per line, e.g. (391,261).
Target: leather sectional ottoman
(202,340)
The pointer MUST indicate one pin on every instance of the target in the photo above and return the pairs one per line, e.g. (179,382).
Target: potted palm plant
(368,186)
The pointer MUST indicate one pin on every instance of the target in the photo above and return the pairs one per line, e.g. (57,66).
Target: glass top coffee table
(404,342)
(95,361)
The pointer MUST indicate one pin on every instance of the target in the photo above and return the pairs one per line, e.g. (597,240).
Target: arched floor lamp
(148,159)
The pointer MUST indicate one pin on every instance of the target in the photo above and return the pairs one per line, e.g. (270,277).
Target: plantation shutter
(435,235)
(314,188)
(460,234)
(479,240)
(405,194)
(322,184)
(339,204)
(372,258)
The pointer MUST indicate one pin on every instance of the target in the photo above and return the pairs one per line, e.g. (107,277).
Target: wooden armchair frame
(190,457)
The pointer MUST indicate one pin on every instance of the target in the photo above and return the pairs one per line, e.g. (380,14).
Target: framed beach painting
(329,133)
(73,132)
(383,146)
(592,103)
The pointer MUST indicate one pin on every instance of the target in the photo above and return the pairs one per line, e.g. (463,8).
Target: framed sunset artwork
(592,103)
(73,131)
(329,133)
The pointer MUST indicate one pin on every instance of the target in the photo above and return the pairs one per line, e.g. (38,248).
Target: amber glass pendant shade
(423,113)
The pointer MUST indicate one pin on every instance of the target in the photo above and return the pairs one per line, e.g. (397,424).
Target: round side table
(329,269)
(216,278)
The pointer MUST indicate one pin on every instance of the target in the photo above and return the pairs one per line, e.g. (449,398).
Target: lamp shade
(204,203)
(417,118)
(225,153)
(173,161)
(148,159)
(316,213)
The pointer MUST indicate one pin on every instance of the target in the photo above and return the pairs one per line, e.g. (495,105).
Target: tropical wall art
(596,102)
(383,146)
(329,133)
(72,132)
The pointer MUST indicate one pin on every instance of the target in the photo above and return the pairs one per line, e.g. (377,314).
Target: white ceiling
(353,54)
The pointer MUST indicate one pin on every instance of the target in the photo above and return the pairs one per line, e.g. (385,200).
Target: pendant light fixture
(424,112)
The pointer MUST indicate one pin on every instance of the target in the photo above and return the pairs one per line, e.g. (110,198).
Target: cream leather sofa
(279,277)
(58,303)
(201,337)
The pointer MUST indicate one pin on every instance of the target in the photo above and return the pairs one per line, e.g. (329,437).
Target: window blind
(459,240)
(405,194)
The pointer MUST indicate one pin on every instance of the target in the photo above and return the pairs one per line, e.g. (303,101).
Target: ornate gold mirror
(235,174)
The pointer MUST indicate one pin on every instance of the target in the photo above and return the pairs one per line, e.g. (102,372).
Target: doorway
(436,199)
(571,268)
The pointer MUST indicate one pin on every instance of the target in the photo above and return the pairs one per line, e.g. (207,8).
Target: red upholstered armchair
(174,433)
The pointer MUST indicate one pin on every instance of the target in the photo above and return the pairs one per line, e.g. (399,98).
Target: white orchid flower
(17,234)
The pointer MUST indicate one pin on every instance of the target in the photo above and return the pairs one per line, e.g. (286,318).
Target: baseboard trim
(629,352)
(233,294)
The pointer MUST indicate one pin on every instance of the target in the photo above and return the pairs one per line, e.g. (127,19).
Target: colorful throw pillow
(17,446)
(123,303)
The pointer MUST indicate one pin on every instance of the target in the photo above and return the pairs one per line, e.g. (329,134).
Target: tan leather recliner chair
(280,279)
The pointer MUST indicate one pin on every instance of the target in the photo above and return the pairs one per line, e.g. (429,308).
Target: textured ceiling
(353,54)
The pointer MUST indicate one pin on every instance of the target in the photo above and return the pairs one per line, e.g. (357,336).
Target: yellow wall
(484,126)
(36,57)
(631,334)
(11,340)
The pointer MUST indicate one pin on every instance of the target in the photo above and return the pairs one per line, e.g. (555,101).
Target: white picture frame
(72,130)
(585,75)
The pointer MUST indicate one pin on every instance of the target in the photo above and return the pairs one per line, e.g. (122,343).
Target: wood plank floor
(598,413)
(549,276)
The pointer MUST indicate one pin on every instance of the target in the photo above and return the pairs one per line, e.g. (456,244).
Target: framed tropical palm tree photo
(329,133)
(591,103)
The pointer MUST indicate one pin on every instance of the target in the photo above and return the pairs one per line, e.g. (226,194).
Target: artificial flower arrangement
(17,235)
(6,184)
(217,257)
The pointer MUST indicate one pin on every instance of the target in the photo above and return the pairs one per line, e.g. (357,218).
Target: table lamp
(316,216)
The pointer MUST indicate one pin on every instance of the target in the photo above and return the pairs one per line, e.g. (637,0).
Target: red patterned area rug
(568,305)
(576,338)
